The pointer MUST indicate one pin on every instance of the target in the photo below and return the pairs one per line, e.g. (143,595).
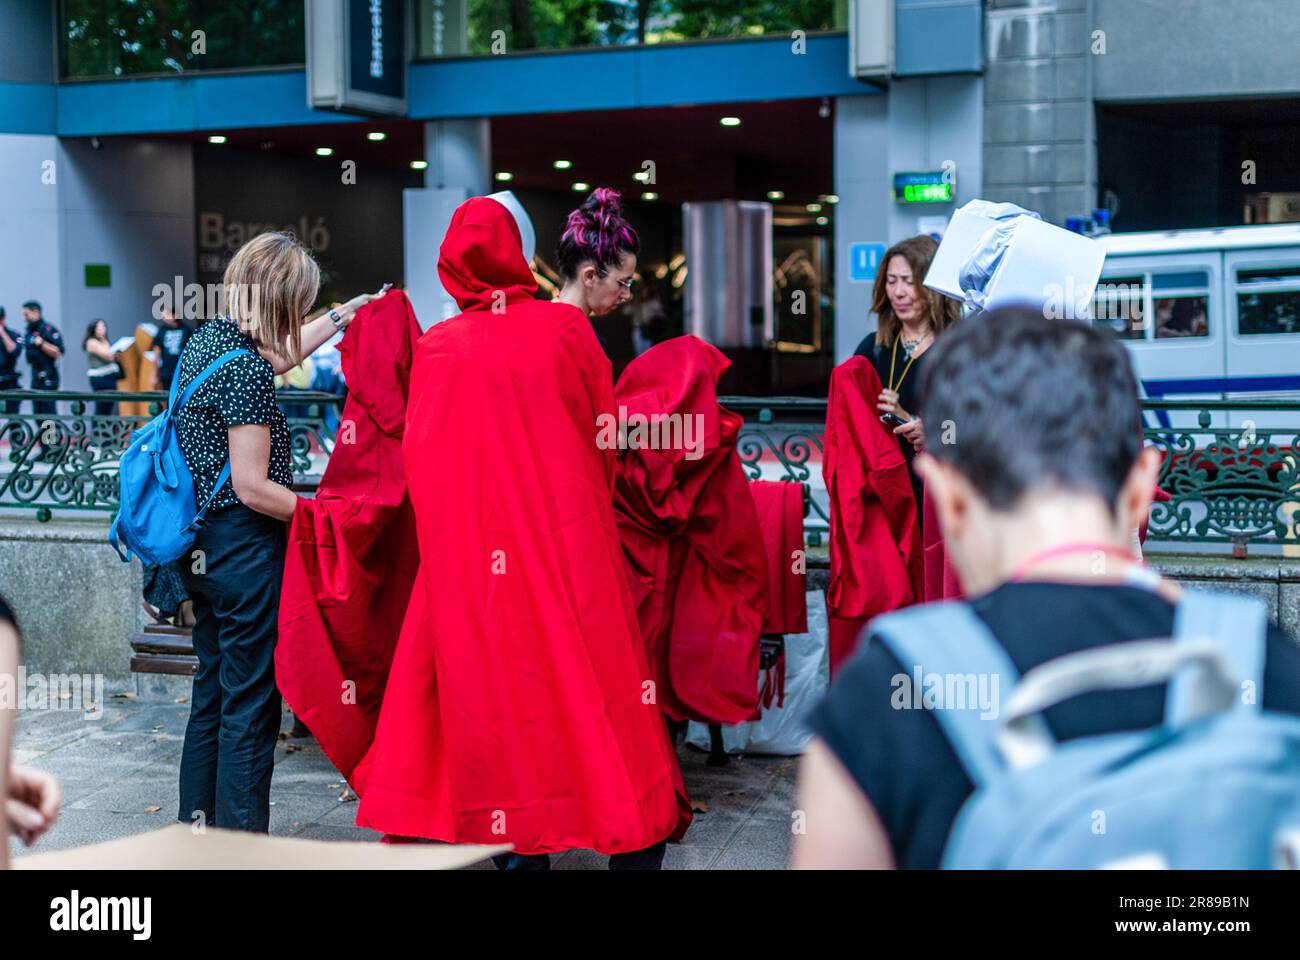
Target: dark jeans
(651,858)
(107,382)
(235,707)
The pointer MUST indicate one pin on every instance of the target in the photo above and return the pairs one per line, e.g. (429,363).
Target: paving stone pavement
(119,777)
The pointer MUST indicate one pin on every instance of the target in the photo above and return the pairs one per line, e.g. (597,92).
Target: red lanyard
(1065,549)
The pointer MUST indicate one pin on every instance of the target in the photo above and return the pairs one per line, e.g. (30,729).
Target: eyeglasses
(627,284)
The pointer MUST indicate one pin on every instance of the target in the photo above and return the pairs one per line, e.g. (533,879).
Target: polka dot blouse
(241,392)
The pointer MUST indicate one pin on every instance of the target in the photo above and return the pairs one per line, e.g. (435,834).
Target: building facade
(136,153)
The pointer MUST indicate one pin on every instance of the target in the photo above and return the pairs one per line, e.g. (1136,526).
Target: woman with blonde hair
(910,317)
(236,444)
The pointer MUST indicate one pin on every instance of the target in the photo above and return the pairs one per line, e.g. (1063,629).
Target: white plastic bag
(782,731)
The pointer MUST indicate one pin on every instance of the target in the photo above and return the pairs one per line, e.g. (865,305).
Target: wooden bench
(162,648)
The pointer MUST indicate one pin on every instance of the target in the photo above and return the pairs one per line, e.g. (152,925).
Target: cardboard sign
(178,847)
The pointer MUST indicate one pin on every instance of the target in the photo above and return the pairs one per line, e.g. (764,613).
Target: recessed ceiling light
(419,164)
(642,175)
(504,175)
(324,151)
(649,195)
(216,138)
(562,164)
(822,221)
(776,194)
(831,198)
(730,121)
(814,208)
(580,186)
(376,135)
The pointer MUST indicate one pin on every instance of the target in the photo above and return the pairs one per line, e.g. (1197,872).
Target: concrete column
(459,154)
(1040,142)
(920,124)
(30,240)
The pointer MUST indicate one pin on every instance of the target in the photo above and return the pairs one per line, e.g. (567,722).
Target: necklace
(909,346)
(910,350)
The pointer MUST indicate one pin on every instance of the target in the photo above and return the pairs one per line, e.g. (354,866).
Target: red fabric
(780,516)
(875,544)
(941,581)
(515,710)
(352,552)
(695,554)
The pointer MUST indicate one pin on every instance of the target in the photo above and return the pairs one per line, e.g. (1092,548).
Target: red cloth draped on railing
(779,505)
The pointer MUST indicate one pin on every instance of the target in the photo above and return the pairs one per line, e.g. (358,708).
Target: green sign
(99,275)
(927,193)
(931,186)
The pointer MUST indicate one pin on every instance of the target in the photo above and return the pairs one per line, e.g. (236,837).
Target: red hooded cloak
(515,710)
(694,548)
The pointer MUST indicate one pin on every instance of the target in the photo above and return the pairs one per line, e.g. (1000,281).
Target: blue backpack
(1217,786)
(156,517)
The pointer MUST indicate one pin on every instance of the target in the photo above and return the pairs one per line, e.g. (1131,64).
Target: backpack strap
(190,390)
(950,640)
(198,381)
(222,477)
(1237,625)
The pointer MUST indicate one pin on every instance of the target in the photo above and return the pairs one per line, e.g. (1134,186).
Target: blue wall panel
(938,36)
(27,108)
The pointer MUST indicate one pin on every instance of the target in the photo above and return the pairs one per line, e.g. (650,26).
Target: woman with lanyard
(910,317)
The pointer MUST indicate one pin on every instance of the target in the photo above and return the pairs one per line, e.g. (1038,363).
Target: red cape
(516,710)
(352,552)
(694,549)
(875,543)
(941,581)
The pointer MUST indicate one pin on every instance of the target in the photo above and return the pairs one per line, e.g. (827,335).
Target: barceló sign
(356,56)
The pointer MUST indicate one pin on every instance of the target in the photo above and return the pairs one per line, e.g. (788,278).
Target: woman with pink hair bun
(597,255)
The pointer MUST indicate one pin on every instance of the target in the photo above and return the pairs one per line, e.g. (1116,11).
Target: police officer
(44,347)
(11,348)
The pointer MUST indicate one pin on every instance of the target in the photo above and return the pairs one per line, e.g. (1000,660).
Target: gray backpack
(1216,786)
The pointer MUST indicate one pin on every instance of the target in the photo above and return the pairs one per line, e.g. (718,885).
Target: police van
(1208,315)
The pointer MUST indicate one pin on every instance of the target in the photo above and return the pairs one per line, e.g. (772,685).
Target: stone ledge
(87,528)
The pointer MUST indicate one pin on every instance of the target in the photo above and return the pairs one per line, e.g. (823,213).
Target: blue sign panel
(864,260)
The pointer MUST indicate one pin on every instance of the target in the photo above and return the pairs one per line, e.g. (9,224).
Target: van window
(1268,301)
(1181,304)
(1117,306)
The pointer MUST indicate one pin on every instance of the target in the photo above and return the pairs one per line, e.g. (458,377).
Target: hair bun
(605,203)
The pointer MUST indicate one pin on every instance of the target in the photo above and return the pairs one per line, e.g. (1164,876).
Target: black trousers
(234,581)
(99,384)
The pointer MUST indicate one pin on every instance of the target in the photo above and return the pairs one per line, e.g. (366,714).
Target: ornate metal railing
(67,460)
(782,439)
(1232,468)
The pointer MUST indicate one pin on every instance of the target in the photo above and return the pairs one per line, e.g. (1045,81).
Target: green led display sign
(930,186)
